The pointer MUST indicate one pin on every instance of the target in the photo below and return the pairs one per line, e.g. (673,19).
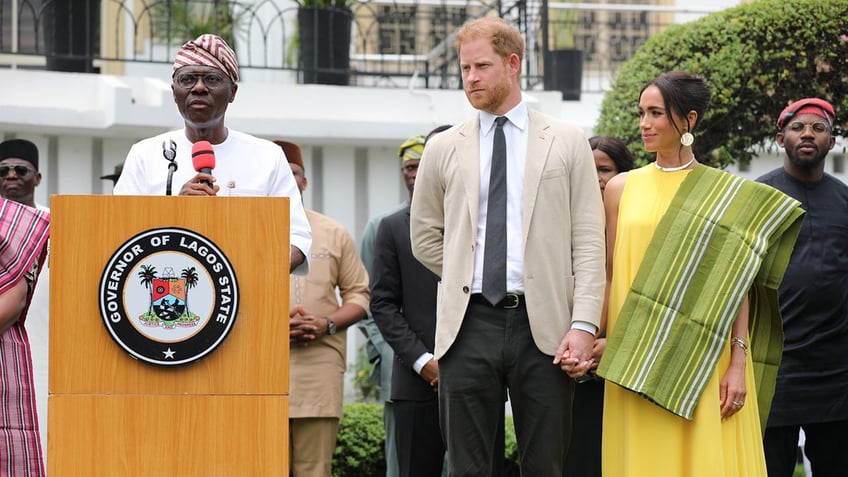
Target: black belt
(510,301)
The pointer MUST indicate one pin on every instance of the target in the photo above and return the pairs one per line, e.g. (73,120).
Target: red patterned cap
(208,50)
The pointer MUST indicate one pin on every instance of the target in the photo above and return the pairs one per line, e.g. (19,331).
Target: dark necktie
(494,251)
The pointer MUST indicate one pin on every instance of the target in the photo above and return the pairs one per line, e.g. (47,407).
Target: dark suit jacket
(403,304)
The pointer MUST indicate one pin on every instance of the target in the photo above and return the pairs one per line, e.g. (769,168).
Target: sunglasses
(211,80)
(818,127)
(20,171)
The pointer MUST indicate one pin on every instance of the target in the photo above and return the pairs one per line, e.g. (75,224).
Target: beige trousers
(312,441)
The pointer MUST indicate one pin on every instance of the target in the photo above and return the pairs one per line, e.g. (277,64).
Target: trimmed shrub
(360,443)
(757,58)
(511,468)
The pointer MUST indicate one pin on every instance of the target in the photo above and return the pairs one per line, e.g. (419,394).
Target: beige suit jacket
(563,227)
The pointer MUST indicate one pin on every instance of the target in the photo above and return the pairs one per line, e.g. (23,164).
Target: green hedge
(360,445)
(510,450)
(757,59)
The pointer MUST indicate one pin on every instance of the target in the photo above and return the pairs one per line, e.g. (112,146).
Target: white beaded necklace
(674,169)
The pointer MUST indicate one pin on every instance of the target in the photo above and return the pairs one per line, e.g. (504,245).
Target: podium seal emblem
(168,296)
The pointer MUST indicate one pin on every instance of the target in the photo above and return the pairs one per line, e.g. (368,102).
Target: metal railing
(401,43)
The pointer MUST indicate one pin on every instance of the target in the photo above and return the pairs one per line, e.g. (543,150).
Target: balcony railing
(400,43)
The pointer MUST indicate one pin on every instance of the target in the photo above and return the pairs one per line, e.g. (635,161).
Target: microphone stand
(170,154)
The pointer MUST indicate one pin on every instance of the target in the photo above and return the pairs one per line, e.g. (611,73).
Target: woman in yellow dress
(681,396)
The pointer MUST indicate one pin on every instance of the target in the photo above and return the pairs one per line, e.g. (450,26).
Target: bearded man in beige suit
(545,318)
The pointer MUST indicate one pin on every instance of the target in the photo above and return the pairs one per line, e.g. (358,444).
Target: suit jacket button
(465,289)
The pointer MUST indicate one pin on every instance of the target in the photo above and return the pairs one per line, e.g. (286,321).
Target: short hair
(436,130)
(682,92)
(504,38)
(616,149)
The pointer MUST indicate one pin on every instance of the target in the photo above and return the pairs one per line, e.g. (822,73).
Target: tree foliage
(757,58)
(176,21)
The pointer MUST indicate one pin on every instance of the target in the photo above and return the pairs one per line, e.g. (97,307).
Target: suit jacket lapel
(538,148)
(468,162)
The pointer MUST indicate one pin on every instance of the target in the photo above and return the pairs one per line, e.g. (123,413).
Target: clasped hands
(304,327)
(578,353)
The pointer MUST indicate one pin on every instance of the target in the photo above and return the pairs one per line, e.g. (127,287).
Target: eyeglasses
(818,127)
(20,171)
(211,80)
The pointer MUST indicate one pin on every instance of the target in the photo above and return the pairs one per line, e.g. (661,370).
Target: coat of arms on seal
(168,296)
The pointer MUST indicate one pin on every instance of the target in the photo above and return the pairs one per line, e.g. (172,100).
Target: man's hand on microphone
(198,185)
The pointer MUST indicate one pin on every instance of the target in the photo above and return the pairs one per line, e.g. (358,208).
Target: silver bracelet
(740,342)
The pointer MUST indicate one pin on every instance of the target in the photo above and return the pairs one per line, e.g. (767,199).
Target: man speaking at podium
(205,77)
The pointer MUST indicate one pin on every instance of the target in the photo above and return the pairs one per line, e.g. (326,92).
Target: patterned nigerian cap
(208,50)
(412,148)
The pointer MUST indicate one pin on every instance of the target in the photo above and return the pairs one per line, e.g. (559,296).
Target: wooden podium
(115,414)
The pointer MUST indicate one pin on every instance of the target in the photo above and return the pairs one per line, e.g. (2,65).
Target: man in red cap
(813,376)
(318,335)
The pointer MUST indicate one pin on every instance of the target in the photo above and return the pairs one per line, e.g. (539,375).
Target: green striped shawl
(721,237)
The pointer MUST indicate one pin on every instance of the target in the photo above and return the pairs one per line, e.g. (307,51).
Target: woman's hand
(733,391)
(598,351)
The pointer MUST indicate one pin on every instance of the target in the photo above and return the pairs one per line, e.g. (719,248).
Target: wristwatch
(331,326)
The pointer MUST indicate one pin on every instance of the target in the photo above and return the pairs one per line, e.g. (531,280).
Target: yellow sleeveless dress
(641,439)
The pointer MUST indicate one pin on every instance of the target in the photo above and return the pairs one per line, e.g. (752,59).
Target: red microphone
(203,158)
